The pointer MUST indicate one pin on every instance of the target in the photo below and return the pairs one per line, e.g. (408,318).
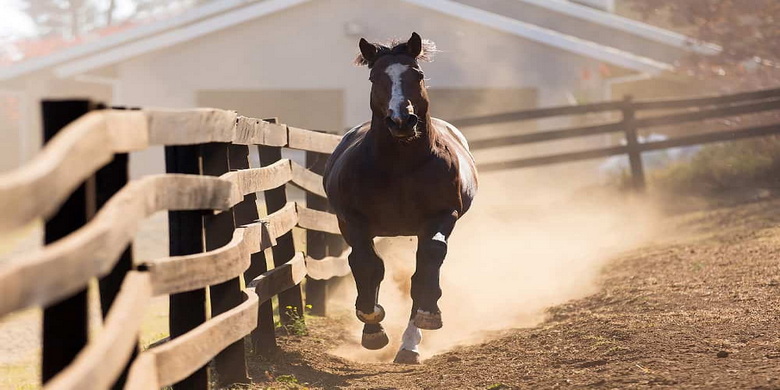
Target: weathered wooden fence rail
(698,109)
(78,184)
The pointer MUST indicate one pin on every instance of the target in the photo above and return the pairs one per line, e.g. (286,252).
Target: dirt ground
(699,308)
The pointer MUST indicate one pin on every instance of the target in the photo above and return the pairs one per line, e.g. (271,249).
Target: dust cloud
(531,241)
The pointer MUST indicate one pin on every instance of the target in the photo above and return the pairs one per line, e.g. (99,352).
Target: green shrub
(724,166)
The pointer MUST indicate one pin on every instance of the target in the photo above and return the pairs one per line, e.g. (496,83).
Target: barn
(292,59)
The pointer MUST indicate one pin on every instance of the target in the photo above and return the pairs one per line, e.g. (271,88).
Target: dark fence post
(263,337)
(65,323)
(316,242)
(108,181)
(632,143)
(230,362)
(276,199)
(188,309)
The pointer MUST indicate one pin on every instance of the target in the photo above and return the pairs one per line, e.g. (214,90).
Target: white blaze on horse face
(397,98)
(411,338)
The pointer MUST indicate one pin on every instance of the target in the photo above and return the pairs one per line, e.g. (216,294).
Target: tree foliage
(67,18)
(748,32)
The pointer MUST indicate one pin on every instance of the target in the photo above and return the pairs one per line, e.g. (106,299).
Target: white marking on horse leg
(411,338)
(439,237)
(397,98)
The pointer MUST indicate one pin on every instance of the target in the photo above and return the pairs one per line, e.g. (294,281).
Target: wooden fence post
(276,199)
(65,323)
(632,143)
(263,337)
(230,362)
(188,309)
(316,242)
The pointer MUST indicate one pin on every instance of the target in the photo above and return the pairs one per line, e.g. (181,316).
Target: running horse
(401,174)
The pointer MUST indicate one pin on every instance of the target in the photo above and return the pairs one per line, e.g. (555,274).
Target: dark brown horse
(401,174)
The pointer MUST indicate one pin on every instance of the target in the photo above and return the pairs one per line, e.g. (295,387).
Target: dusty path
(700,309)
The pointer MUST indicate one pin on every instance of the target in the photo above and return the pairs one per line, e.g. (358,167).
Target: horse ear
(367,52)
(414,45)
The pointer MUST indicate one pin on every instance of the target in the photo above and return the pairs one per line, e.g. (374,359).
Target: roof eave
(635,27)
(546,36)
(138,33)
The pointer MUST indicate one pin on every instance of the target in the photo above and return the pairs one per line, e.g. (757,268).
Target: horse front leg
(368,271)
(426,287)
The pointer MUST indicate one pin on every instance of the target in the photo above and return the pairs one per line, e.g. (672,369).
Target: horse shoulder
(348,141)
(339,169)
(451,130)
(459,147)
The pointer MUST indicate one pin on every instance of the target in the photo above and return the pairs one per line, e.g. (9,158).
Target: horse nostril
(390,122)
(411,121)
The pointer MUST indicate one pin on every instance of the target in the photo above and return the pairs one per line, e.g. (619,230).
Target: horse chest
(401,204)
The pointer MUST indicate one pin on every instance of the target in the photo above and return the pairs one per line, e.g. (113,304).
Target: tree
(748,31)
(67,18)
(73,18)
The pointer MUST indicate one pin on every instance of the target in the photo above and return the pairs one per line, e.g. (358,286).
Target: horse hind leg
(368,271)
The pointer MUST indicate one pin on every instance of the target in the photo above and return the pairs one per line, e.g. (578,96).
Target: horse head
(398,95)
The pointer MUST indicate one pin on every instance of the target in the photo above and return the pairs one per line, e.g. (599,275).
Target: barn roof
(219,15)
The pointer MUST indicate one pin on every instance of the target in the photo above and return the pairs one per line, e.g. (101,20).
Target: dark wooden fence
(79,184)
(631,121)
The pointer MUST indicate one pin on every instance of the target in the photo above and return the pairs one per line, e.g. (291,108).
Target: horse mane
(397,46)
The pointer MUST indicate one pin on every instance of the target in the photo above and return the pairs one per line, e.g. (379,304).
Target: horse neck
(395,155)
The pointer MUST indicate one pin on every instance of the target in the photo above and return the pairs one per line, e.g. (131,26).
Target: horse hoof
(405,356)
(376,340)
(372,318)
(427,321)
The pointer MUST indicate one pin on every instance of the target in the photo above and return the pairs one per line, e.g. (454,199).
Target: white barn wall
(307,47)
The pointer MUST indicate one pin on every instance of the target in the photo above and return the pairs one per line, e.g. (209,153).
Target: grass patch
(605,344)
(20,376)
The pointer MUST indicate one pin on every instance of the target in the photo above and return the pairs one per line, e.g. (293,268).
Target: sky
(14,23)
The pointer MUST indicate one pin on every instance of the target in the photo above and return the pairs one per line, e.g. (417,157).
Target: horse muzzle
(402,126)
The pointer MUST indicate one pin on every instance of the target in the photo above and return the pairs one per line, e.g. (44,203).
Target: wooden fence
(79,184)
(631,121)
